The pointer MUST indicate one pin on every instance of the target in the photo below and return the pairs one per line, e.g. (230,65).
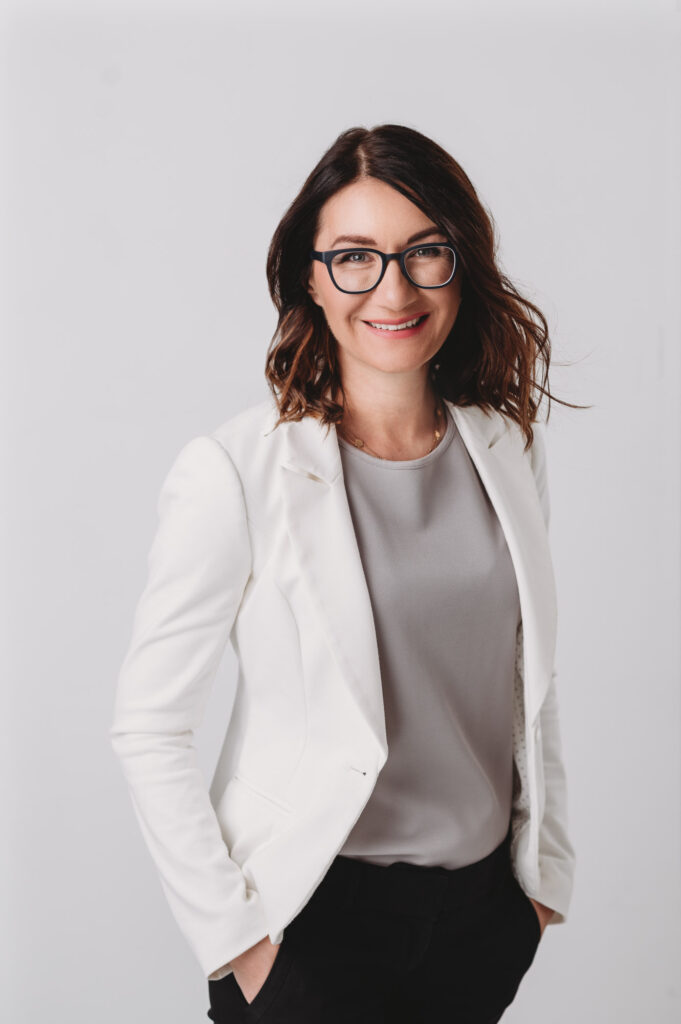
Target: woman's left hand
(544,914)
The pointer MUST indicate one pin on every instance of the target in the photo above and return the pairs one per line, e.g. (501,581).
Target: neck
(395,415)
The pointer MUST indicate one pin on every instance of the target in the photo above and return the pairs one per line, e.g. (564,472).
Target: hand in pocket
(252,968)
(543,912)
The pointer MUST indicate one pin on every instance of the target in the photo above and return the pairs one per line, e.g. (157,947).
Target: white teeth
(396,327)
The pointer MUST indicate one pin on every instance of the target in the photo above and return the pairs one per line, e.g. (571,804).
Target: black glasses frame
(327,256)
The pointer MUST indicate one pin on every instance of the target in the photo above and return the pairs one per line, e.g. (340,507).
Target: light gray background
(148,152)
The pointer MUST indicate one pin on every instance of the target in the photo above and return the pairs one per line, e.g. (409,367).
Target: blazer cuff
(555,886)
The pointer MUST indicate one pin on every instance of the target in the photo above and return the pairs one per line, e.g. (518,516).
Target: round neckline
(422,460)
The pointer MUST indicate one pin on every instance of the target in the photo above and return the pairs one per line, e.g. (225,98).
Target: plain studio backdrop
(148,152)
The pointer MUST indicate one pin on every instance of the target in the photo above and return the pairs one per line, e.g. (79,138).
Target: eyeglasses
(361,270)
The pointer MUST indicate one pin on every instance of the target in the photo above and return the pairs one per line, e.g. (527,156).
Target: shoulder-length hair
(497,354)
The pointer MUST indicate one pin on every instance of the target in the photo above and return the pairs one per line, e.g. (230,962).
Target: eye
(352,257)
(428,250)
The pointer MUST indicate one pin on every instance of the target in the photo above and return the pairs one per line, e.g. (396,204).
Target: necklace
(438,433)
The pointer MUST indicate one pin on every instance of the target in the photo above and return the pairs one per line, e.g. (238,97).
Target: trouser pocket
(228,1004)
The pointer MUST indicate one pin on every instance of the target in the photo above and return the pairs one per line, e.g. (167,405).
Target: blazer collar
(312,449)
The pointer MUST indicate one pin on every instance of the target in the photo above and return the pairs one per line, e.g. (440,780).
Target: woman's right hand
(252,967)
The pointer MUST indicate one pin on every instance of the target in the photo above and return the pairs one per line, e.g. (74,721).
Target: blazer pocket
(263,794)
(248,816)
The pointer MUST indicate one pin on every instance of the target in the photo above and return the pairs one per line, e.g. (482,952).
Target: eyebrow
(361,240)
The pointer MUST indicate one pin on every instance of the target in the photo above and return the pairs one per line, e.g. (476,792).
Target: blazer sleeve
(556,853)
(198,566)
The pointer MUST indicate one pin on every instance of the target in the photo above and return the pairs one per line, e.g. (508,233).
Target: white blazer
(255,544)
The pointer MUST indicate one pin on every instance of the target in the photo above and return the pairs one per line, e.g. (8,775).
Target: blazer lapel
(496,449)
(323,538)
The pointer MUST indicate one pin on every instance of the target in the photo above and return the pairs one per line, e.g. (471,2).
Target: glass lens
(356,271)
(430,265)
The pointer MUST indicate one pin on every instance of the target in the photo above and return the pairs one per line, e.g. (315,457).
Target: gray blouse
(445,602)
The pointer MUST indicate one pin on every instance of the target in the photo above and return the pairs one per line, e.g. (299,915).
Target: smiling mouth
(397,325)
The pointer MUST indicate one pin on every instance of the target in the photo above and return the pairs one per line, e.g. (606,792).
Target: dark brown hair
(499,343)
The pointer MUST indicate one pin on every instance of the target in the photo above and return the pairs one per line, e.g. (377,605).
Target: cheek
(345,314)
(450,307)
(332,301)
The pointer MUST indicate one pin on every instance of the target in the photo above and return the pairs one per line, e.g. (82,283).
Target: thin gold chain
(359,443)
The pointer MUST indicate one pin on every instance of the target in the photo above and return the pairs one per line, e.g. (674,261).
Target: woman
(385,837)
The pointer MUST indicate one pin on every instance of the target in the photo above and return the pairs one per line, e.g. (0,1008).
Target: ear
(312,289)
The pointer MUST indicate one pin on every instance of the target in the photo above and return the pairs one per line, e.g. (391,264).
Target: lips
(399,329)
(403,320)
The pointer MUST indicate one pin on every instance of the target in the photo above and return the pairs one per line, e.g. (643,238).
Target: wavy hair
(496,355)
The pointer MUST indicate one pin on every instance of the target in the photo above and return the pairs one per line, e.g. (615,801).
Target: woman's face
(370,213)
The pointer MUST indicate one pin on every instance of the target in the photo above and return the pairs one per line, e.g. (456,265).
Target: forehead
(372,208)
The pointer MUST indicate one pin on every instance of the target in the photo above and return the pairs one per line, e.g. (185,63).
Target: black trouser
(402,944)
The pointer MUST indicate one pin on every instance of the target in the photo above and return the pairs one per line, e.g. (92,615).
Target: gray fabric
(446,607)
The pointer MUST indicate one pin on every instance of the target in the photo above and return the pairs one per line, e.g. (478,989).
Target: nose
(395,288)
